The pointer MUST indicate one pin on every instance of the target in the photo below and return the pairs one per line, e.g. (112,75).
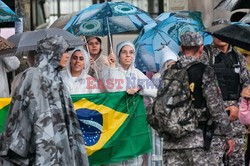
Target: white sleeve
(147,86)
(11,63)
(114,79)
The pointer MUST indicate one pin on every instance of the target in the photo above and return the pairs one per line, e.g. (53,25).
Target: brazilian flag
(114,126)
(4,106)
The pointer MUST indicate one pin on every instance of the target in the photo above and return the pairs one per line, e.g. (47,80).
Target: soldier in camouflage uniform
(222,56)
(42,128)
(189,150)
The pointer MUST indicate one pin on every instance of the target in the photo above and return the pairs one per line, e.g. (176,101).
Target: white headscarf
(118,50)
(86,55)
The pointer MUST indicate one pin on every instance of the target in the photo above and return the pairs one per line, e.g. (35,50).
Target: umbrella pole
(87,47)
(109,36)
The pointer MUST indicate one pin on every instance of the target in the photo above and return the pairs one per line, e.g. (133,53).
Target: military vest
(227,69)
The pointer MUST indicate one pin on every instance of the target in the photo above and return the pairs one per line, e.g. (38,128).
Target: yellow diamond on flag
(4,102)
(111,119)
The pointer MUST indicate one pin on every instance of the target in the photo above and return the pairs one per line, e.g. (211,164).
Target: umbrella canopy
(62,21)
(246,18)
(226,33)
(165,37)
(232,5)
(6,47)
(27,41)
(109,17)
(182,22)
(6,14)
(150,48)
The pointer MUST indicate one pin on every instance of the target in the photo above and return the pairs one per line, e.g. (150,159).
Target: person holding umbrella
(131,79)
(127,78)
(42,127)
(231,70)
(97,61)
(94,47)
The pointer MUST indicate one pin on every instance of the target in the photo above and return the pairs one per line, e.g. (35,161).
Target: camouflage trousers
(185,157)
(217,150)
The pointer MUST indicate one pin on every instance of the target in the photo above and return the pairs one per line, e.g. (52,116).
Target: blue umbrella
(6,14)
(164,38)
(106,18)
(182,22)
(151,46)
(102,19)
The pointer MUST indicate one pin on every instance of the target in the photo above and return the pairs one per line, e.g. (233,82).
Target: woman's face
(126,56)
(64,59)
(77,62)
(94,47)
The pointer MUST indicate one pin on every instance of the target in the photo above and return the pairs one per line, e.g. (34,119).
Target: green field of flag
(114,125)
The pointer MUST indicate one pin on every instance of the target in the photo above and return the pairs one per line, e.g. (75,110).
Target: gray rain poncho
(42,128)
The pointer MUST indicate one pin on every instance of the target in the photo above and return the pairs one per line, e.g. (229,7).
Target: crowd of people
(42,126)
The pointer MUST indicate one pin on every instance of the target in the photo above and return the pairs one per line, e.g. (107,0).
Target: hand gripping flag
(114,125)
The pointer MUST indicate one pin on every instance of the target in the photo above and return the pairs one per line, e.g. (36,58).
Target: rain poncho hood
(85,71)
(118,50)
(42,127)
(78,85)
(50,51)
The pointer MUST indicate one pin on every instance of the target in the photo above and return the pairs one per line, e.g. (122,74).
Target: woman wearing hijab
(42,127)
(127,78)
(76,75)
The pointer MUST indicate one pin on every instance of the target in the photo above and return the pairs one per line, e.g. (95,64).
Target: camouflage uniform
(188,150)
(42,128)
(239,130)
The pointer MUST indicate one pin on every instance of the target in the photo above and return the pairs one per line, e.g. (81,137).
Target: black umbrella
(232,5)
(234,34)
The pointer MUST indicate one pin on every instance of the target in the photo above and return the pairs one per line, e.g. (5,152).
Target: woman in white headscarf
(42,127)
(76,77)
(127,78)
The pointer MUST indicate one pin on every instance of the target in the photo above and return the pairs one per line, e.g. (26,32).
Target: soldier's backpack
(172,113)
